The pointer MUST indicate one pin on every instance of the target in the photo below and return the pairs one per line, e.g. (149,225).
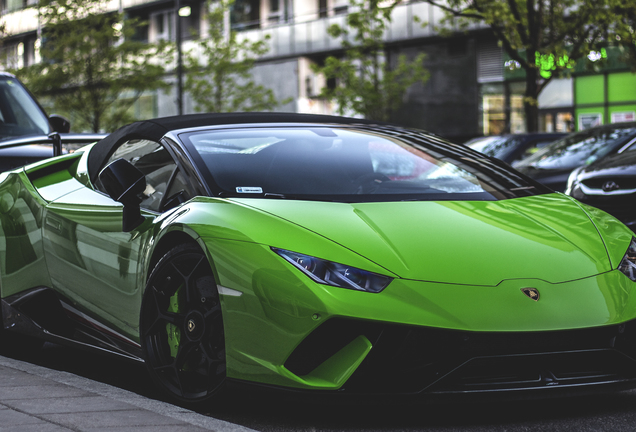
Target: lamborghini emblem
(533,293)
(191,326)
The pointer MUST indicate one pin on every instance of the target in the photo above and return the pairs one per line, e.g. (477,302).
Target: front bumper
(419,360)
(418,337)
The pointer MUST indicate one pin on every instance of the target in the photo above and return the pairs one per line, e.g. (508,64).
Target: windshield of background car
(496,147)
(578,149)
(19,114)
(349,165)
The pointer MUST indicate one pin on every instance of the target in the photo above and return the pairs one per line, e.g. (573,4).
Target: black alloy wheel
(181,326)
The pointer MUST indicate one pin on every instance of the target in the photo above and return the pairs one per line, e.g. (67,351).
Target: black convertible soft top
(155,129)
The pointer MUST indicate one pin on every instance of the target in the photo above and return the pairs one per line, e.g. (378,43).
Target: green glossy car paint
(456,265)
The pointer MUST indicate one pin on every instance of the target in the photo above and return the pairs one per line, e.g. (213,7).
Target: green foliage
(219,80)
(367,84)
(533,31)
(91,67)
(625,33)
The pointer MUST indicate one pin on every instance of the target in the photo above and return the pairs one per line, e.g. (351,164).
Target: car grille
(623,182)
(537,370)
(407,359)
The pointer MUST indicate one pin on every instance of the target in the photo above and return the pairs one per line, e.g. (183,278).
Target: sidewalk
(33,398)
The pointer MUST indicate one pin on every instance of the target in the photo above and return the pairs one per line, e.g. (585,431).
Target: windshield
(578,149)
(483,143)
(497,147)
(19,114)
(349,165)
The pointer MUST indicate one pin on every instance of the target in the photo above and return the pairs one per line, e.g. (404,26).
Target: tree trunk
(530,100)
(96,121)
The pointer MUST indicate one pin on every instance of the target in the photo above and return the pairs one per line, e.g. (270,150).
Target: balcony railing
(302,35)
(307,37)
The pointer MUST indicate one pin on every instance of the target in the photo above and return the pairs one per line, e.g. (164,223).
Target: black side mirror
(59,123)
(124,183)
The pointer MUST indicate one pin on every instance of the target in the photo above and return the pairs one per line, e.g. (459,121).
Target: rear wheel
(182,328)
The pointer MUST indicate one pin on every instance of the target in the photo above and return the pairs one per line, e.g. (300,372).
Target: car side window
(154,161)
(178,192)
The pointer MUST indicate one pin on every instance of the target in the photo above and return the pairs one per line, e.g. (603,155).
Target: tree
(365,81)
(92,68)
(219,79)
(626,32)
(543,37)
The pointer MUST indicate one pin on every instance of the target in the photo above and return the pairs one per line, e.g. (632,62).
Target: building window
(502,108)
(555,121)
(274,16)
(489,62)
(494,114)
(19,53)
(517,115)
(144,107)
(340,9)
(14,5)
(323,9)
(162,26)
(245,14)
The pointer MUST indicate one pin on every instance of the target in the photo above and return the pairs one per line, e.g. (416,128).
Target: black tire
(181,327)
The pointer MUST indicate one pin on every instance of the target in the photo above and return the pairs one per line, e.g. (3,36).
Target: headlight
(628,264)
(334,274)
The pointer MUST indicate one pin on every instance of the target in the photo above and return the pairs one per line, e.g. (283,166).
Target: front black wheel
(182,328)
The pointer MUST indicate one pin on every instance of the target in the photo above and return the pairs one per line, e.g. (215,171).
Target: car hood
(547,237)
(555,179)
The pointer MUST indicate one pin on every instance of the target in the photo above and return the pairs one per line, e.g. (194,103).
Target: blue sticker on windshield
(249,189)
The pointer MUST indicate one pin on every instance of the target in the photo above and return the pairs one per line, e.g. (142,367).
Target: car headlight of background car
(628,264)
(334,274)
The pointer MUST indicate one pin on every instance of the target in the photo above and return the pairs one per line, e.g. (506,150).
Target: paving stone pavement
(36,399)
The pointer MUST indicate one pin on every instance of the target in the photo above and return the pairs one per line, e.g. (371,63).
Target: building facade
(470,91)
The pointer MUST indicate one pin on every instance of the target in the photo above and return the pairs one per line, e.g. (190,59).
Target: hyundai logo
(609,186)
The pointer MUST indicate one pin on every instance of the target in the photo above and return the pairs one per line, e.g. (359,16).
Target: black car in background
(553,164)
(609,184)
(513,147)
(27,134)
(20,151)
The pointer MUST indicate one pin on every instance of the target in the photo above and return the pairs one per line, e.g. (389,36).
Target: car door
(91,261)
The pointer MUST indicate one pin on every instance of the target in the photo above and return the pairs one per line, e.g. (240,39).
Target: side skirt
(40,313)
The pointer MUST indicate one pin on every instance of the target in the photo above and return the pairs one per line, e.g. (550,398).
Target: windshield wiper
(275,195)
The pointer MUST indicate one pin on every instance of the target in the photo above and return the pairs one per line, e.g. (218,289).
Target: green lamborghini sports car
(319,254)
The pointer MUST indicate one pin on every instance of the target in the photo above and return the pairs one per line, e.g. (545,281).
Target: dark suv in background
(553,164)
(514,147)
(609,183)
(27,134)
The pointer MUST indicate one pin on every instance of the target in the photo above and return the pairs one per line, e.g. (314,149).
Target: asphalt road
(609,412)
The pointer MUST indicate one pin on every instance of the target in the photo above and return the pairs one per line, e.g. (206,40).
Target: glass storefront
(503,112)
(555,121)
(502,108)
(494,114)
